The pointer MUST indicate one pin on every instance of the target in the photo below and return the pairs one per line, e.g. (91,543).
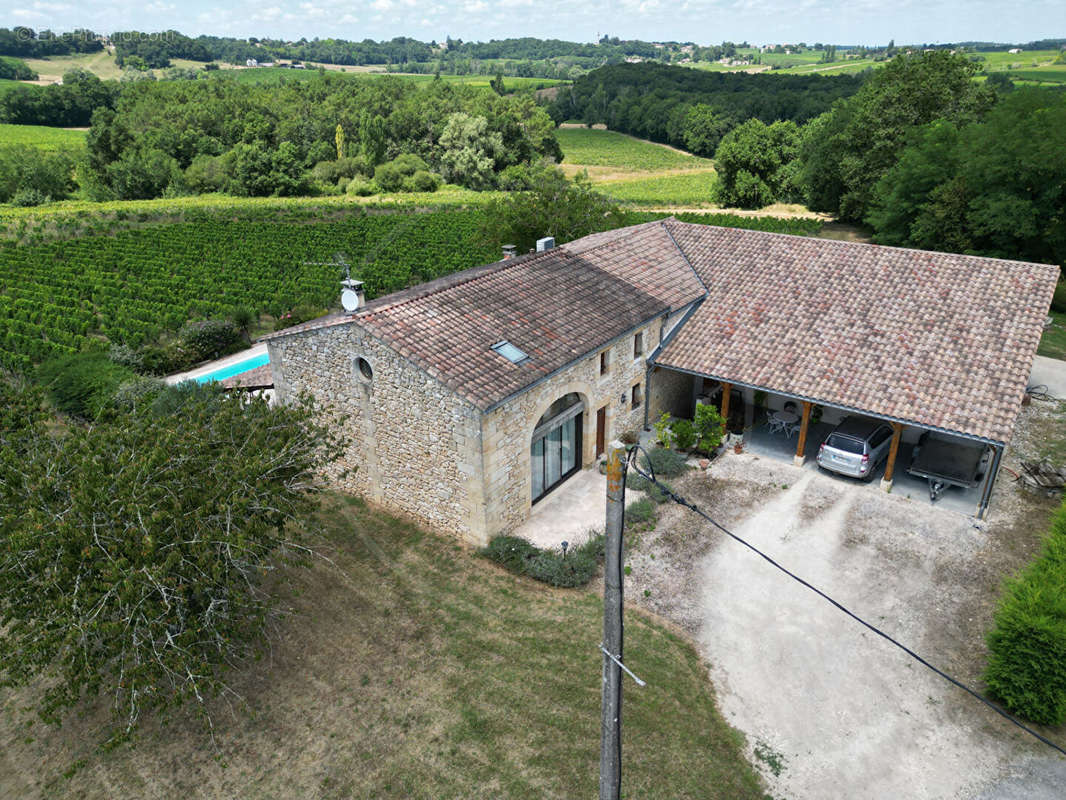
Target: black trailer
(948,461)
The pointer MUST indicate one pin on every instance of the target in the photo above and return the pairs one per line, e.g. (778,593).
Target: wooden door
(601,431)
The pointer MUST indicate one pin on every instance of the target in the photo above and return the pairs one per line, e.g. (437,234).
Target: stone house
(468,399)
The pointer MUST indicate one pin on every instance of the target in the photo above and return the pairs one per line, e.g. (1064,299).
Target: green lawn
(41,136)
(602,148)
(411,668)
(1053,342)
(684,189)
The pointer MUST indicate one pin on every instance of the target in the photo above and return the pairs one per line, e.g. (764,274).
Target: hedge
(1027,645)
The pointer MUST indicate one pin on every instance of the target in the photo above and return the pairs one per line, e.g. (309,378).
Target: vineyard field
(599,148)
(69,295)
(682,189)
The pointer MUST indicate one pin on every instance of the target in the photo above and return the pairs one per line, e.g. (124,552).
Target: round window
(364,368)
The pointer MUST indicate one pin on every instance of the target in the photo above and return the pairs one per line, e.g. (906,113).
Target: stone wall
(672,391)
(508,429)
(413,445)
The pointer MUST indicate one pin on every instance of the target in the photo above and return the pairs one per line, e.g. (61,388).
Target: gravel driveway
(832,709)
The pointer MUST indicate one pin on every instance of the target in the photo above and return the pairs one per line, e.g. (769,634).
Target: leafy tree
(845,154)
(709,427)
(132,551)
(469,151)
(82,384)
(996,188)
(754,164)
(554,206)
(704,127)
(142,174)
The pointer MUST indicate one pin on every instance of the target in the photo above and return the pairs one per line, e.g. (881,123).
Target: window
(636,396)
(605,362)
(638,345)
(365,370)
(510,352)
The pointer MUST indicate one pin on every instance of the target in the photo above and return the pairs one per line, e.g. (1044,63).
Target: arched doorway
(555,450)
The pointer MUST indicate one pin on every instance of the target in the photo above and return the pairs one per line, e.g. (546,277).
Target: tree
(996,187)
(132,551)
(754,164)
(469,151)
(862,137)
(703,129)
(338,137)
(554,206)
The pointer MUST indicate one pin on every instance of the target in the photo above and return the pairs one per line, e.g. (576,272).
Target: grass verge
(412,669)
(1053,341)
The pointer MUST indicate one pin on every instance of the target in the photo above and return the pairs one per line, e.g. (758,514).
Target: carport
(817,420)
(923,341)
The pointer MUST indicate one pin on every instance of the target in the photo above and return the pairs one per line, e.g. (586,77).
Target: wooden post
(801,445)
(890,465)
(727,388)
(611,709)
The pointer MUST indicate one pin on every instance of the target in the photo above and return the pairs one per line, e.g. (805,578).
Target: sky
(866,22)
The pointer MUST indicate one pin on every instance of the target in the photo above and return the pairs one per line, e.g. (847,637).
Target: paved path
(1050,372)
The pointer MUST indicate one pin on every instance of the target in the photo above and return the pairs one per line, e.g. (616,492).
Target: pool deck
(222,363)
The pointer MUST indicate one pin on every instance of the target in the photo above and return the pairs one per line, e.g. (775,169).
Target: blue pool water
(235,369)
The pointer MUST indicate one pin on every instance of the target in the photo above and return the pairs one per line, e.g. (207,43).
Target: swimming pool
(235,369)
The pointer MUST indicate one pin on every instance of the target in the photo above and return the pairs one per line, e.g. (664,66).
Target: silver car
(856,447)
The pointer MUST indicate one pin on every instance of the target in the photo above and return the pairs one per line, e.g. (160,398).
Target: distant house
(468,399)
(1014,51)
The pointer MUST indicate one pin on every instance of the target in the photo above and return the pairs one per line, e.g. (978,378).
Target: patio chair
(773,424)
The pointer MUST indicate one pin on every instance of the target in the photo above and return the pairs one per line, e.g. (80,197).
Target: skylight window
(510,352)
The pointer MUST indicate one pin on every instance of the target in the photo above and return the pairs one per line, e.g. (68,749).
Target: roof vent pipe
(547,243)
(509,251)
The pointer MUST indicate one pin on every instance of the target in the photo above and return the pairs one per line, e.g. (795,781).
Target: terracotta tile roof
(554,306)
(258,378)
(936,339)
(647,258)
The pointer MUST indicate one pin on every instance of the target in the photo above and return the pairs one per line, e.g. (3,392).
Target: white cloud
(25,13)
(381,5)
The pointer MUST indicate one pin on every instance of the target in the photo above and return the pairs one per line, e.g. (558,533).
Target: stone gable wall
(413,445)
(508,429)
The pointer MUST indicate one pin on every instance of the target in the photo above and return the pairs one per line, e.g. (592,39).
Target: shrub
(126,356)
(663,433)
(709,427)
(82,384)
(522,557)
(30,197)
(555,569)
(684,434)
(638,483)
(511,551)
(210,338)
(663,463)
(641,515)
(138,390)
(361,187)
(1027,644)
(390,176)
(422,181)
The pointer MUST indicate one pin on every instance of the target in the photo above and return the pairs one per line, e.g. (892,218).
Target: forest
(321,136)
(693,109)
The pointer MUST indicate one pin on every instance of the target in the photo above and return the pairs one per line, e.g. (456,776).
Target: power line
(650,476)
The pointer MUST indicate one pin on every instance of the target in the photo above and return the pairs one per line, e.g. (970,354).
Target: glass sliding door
(536,458)
(555,453)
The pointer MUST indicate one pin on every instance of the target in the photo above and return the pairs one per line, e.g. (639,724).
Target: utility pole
(611,719)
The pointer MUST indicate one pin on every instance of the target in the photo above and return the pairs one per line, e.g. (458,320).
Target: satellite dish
(350,300)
